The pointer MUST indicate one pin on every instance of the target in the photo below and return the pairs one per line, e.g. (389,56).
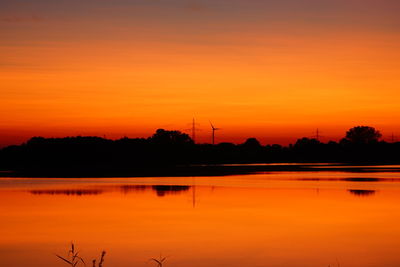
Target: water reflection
(362,179)
(68,192)
(160,190)
(238,220)
(133,188)
(349,179)
(362,193)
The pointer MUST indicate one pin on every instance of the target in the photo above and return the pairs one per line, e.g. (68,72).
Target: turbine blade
(212,126)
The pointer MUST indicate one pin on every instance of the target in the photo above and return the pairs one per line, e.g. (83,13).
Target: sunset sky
(274,70)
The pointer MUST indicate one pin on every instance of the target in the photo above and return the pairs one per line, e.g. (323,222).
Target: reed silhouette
(159,261)
(73,259)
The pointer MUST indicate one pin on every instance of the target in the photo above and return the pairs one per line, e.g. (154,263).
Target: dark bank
(168,153)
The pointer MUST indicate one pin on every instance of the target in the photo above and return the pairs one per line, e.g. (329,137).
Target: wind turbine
(213,132)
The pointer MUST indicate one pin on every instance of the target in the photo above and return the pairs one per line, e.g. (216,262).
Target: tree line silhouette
(166,149)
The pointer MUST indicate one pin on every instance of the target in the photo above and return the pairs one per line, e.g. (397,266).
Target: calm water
(276,219)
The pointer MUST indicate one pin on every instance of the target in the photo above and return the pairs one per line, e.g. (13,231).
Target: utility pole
(194,131)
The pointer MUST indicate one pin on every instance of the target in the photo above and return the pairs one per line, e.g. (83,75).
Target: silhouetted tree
(252,143)
(251,150)
(306,149)
(164,137)
(363,135)
(306,143)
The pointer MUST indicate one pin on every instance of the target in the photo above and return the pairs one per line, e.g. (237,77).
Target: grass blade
(67,261)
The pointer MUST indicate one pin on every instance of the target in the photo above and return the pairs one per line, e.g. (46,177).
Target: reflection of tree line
(161,190)
(350,179)
(68,192)
(362,192)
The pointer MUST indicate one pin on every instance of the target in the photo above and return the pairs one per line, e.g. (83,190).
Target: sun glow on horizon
(126,69)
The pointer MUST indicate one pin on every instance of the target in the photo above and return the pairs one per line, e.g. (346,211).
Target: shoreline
(197,170)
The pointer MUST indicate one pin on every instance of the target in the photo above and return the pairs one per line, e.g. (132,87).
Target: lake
(277,219)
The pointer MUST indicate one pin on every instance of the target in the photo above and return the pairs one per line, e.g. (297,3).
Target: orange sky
(275,71)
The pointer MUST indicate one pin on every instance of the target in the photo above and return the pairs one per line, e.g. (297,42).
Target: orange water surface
(275,219)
